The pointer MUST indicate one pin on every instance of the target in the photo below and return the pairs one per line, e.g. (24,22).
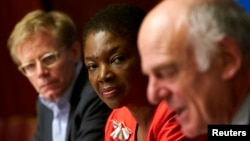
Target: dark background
(17,96)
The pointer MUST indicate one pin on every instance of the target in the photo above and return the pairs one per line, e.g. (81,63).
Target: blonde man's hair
(59,24)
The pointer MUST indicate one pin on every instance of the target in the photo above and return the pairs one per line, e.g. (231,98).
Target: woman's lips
(109,92)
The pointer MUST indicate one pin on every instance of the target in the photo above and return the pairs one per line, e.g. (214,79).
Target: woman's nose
(105,74)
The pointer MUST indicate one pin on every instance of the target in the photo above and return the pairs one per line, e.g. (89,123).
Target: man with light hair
(44,45)
(196,54)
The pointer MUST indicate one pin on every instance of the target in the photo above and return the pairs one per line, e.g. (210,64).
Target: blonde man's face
(50,81)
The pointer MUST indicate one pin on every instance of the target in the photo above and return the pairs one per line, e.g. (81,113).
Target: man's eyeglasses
(48,60)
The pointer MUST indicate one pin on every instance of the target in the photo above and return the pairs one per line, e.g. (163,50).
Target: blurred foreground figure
(196,54)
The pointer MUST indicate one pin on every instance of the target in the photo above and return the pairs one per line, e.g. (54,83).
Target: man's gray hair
(212,20)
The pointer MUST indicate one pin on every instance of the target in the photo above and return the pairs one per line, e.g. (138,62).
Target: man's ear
(77,51)
(231,57)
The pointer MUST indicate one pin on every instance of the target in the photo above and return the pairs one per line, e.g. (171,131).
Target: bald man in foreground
(196,54)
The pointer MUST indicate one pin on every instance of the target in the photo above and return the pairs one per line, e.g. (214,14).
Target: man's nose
(40,68)
(157,90)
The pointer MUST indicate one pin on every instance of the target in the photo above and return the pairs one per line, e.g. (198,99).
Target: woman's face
(114,68)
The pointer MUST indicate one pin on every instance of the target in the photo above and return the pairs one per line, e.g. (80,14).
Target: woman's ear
(231,57)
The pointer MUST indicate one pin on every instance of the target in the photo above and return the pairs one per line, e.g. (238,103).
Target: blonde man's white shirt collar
(61,110)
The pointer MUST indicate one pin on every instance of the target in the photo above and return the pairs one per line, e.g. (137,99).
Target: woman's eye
(118,60)
(91,67)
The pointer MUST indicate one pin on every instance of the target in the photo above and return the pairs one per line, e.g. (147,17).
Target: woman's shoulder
(164,125)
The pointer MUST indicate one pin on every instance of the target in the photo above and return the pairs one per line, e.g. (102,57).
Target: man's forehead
(151,59)
(163,21)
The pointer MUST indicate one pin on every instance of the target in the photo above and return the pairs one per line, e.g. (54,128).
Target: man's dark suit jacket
(87,118)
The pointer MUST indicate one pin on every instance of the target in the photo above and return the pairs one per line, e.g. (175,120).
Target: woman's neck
(143,114)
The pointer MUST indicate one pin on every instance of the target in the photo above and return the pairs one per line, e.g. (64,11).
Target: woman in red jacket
(113,63)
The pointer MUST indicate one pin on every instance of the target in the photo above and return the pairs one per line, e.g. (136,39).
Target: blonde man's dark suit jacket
(87,116)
